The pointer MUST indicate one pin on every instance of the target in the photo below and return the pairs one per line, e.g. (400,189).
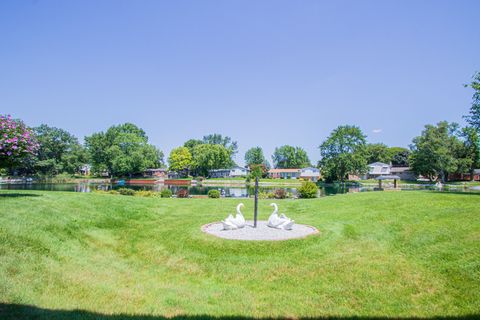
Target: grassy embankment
(409,254)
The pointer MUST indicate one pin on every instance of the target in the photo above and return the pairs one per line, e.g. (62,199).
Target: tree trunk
(442,176)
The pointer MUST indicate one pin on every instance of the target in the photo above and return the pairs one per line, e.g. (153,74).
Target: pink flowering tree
(16,141)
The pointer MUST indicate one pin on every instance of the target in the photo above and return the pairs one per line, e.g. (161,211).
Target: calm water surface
(227,191)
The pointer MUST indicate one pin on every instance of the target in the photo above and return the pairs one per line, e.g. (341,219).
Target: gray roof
(379,164)
(388,178)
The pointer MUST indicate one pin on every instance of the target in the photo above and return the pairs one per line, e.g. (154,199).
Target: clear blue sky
(265,73)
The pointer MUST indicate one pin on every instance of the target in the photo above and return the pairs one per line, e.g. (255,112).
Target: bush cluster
(280,194)
(182,193)
(308,190)
(126,192)
(166,193)
(146,193)
(214,194)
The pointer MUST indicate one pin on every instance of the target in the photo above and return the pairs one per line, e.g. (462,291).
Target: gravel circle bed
(262,232)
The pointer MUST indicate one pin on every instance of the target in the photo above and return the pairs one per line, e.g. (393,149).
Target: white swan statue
(233,223)
(279,222)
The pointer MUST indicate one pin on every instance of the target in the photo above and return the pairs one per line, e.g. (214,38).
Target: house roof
(388,178)
(399,169)
(378,164)
(311,168)
(283,170)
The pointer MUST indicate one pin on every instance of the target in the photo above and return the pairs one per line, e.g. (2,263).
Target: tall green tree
(254,156)
(210,156)
(434,152)
(180,159)
(471,146)
(473,118)
(59,151)
(378,152)
(122,150)
(399,156)
(343,153)
(226,141)
(191,144)
(286,156)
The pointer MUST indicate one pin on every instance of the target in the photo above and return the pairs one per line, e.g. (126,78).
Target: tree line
(124,150)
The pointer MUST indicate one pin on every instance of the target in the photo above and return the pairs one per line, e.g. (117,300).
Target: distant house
(157,172)
(312,174)
(284,173)
(228,173)
(465,176)
(405,173)
(85,170)
(377,169)
(239,172)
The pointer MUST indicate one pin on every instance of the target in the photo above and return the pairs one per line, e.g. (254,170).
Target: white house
(310,173)
(377,169)
(228,173)
(238,172)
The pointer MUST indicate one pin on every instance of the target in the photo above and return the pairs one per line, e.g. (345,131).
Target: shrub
(271,195)
(262,195)
(308,190)
(182,193)
(126,192)
(113,192)
(166,193)
(215,194)
(280,194)
(146,194)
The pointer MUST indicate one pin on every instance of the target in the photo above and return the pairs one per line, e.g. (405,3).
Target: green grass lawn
(99,256)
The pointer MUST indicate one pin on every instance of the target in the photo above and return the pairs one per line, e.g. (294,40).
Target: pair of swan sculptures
(274,221)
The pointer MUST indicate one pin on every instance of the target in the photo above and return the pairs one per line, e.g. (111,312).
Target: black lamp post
(256,203)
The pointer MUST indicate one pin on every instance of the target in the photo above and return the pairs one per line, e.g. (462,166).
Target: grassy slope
(378,254)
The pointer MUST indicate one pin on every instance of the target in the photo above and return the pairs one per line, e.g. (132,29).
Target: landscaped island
(397,254)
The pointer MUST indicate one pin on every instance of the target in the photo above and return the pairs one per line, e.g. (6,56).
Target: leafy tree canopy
(17,142)
(210,156)
(438,151)
(59,152)
(226,141)
(474,117)
(286,156)
(254,156)
(180,159)
(378,152)
(343,153)
(399,156)
(122,151)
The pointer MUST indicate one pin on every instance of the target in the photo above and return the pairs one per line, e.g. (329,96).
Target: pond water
(227,191)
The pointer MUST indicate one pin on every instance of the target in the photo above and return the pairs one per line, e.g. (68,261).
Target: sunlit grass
(377,254)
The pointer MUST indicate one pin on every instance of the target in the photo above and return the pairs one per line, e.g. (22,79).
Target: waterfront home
(405,173)
(157,173)
(239,172)
(377,169)
(228,173)
(310,173)
(284,173)
(465,176)
(85,170)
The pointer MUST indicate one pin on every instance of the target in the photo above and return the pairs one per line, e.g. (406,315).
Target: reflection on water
(235,192)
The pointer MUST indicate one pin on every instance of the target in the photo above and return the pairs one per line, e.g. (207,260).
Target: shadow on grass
(18,195)
(474,193)
(20,312)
